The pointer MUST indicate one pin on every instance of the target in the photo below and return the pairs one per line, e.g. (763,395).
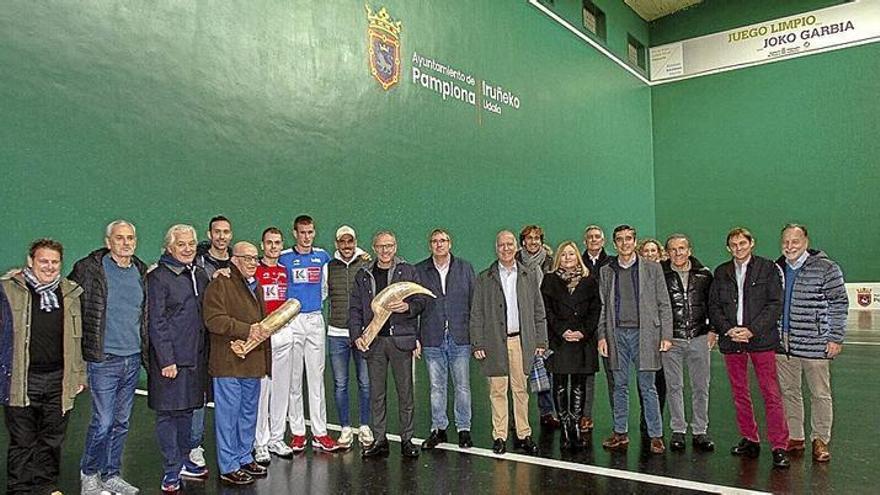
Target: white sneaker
(119,486)
(346,437)
(280,449)
(261,455)
(197,456)
(90,484)
(365,435)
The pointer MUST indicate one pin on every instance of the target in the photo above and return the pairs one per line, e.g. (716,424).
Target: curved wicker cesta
(272,323)
(394,293)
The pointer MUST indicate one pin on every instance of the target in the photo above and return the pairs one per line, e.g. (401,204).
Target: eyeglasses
(248,258)
(385,247)
(439,241)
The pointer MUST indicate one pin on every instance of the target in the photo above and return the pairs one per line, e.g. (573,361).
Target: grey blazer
(655,313)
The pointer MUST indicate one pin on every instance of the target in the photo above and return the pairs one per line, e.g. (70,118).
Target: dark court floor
(855,447)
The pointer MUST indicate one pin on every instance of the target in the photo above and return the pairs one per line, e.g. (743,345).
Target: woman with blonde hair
(651,249)
(572,304)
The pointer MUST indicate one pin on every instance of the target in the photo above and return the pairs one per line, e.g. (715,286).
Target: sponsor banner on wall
(834,27)
(863,295)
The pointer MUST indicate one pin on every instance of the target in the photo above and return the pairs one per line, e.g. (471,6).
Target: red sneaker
(298,443)
(325,443)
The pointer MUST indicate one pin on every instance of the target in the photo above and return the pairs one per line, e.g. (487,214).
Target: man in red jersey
(272,278)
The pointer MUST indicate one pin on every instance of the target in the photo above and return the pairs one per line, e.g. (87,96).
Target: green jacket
(74,367)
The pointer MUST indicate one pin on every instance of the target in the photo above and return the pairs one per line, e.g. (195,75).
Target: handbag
(539,379)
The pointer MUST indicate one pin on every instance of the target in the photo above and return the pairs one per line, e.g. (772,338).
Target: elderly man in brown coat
(233,307)
(508,328)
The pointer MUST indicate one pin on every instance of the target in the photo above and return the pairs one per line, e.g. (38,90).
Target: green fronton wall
(167,112)
(791,141)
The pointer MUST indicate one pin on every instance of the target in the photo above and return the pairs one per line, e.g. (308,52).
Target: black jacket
(404,326)
(601,261)
(690,310)
(89,274)
(762,305)
(451,309)
(578,311)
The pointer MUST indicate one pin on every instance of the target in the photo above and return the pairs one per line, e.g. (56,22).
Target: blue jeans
(441,360)
(235,421)
(341,354)
(111,385)
(627,340)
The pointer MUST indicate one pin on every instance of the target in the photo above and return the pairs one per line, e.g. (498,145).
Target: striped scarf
(48,299)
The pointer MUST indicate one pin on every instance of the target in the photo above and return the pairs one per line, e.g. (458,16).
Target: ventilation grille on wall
(654,9)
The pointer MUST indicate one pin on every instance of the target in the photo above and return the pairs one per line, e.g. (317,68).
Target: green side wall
(792,141)
(169,112)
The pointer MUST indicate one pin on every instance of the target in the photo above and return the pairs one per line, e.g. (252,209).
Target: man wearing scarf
(538,257)
(176,374)
(44,371)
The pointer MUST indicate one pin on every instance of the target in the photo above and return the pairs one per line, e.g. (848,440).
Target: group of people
(653,308)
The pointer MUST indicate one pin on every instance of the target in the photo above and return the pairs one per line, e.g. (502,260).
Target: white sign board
(833,27)
(863,295)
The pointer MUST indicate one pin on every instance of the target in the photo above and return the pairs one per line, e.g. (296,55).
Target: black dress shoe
(499,446)
(238,477)
(379,448)
(435,438)
(254,469)
(526,445)
(676,443)
(747,448)
(780,458)
(407,449)
(464,439)
(703,443)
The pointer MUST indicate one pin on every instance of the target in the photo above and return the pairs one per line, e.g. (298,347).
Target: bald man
(507,329)
(233,308)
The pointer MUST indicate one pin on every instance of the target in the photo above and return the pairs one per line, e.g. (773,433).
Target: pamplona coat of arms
(384,42)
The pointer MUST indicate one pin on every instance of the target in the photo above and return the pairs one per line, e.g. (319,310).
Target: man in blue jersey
(302,342)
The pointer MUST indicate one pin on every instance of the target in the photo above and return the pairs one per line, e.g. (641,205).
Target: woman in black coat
(572,304)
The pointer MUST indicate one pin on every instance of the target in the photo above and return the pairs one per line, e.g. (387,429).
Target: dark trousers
(382,353)
(36,432)
(173,430)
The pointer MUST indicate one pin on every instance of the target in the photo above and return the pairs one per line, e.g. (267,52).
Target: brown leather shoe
(795,445)
(585,425)
(549,421)
(657,446)
(820,451)
(616,441)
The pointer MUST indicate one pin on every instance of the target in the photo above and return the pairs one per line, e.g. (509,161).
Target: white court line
(570,466)
(860,343)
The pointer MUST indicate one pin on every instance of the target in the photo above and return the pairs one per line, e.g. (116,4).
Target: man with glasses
(395,346)
(445,337)
(233,308)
